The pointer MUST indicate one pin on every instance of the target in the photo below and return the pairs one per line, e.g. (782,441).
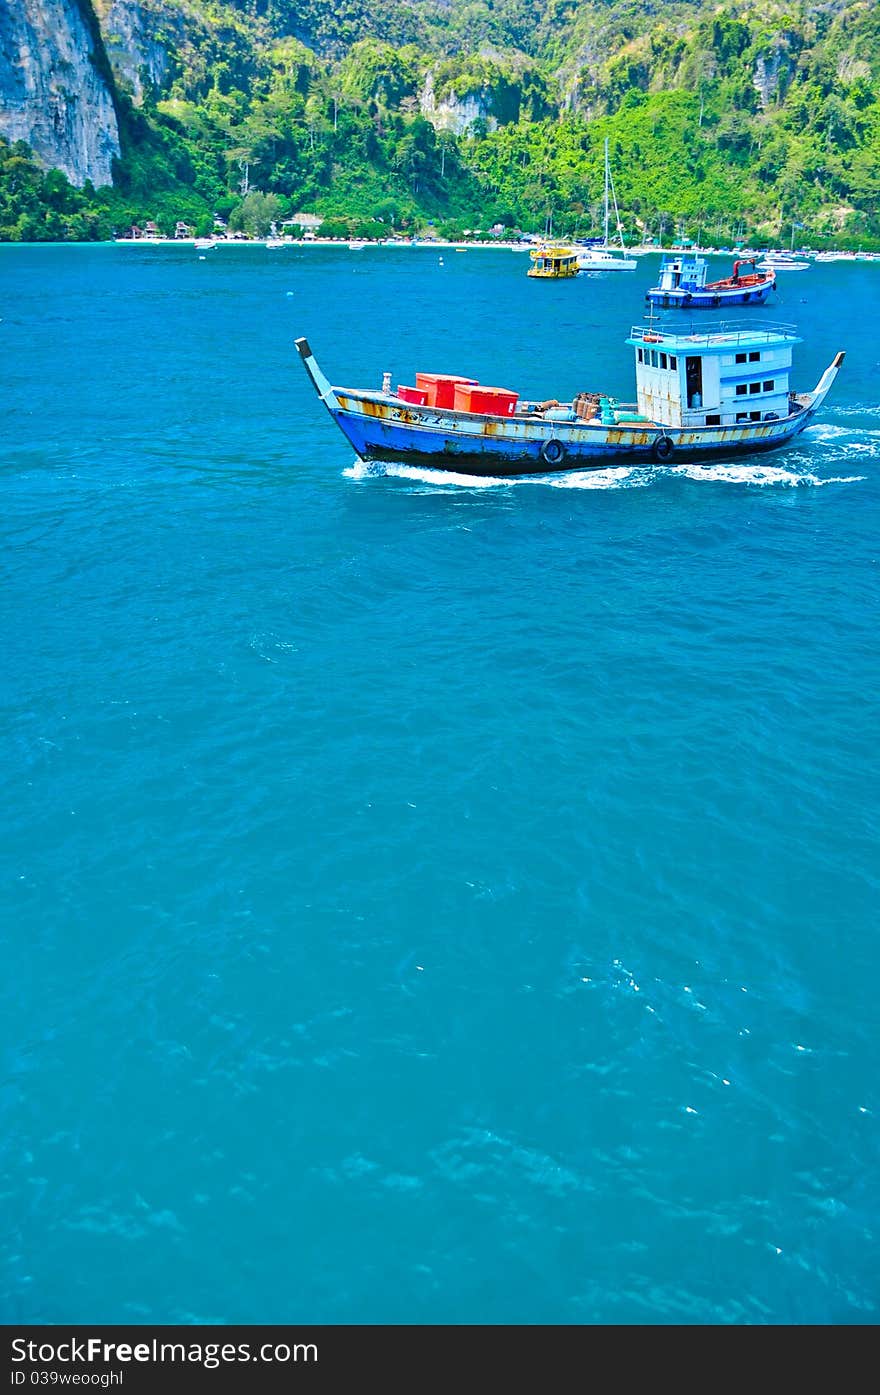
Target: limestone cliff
(137,35)
(53,94)
(772,70)
(454,112)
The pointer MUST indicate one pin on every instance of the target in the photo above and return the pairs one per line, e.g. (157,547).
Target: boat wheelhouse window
(653,358)
(768,387)
(754,416)
(662,360)
(694,376)
(742,389)
(641,354)
(754,387)
(741,358)
(673,362)
(754,357)
(713,421)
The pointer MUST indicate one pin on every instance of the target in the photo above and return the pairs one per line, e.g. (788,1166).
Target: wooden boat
(699,395)
(553,263)
(683,284)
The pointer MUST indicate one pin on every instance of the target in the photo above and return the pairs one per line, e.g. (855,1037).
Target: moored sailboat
(607,257)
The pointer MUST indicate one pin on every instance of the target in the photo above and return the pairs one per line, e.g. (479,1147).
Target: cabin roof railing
(722,333)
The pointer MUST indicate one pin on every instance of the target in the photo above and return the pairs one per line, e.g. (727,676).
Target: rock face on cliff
(453,112)
(52,94)
(772,70)
(138,57)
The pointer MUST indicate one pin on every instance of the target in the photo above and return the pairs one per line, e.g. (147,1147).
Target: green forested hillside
(721,117)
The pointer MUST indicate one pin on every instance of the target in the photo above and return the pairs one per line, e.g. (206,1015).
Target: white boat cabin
(727,377)
(683,274)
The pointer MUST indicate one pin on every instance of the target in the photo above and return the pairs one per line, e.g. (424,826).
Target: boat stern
(823,387)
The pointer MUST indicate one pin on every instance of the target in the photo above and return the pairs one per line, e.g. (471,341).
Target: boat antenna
(606,191)
(651,317)
(617,221)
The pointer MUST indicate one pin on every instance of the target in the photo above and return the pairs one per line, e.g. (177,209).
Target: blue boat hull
(708,299)
(374,439)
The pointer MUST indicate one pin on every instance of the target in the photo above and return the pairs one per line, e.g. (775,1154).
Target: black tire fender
(553,452)
(663,448)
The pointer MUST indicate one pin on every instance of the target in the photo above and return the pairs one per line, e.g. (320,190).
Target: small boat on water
(604,259)
(356,245)
(553,263)
(203,244)
(781,261)
(273,243)
(699,395)
(683,283)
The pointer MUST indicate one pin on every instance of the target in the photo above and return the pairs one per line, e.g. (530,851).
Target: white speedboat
(781,261)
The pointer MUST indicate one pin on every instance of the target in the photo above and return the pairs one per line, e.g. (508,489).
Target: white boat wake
(611,478)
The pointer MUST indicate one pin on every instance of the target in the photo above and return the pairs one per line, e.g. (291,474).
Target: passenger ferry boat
(553,263)
(683,283)
(699,395)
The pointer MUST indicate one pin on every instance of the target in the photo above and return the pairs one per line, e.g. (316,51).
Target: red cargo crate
(440,387)
(493,401)
(417,396)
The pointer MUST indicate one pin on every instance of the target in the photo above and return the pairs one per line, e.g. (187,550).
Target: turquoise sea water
(426,901)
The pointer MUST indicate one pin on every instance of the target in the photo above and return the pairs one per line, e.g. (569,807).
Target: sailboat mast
(606,191)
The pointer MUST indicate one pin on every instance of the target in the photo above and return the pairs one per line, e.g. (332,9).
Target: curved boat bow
(322,384)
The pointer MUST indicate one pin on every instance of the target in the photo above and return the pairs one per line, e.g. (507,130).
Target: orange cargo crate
(418,396)
(440,387)
(494,401)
